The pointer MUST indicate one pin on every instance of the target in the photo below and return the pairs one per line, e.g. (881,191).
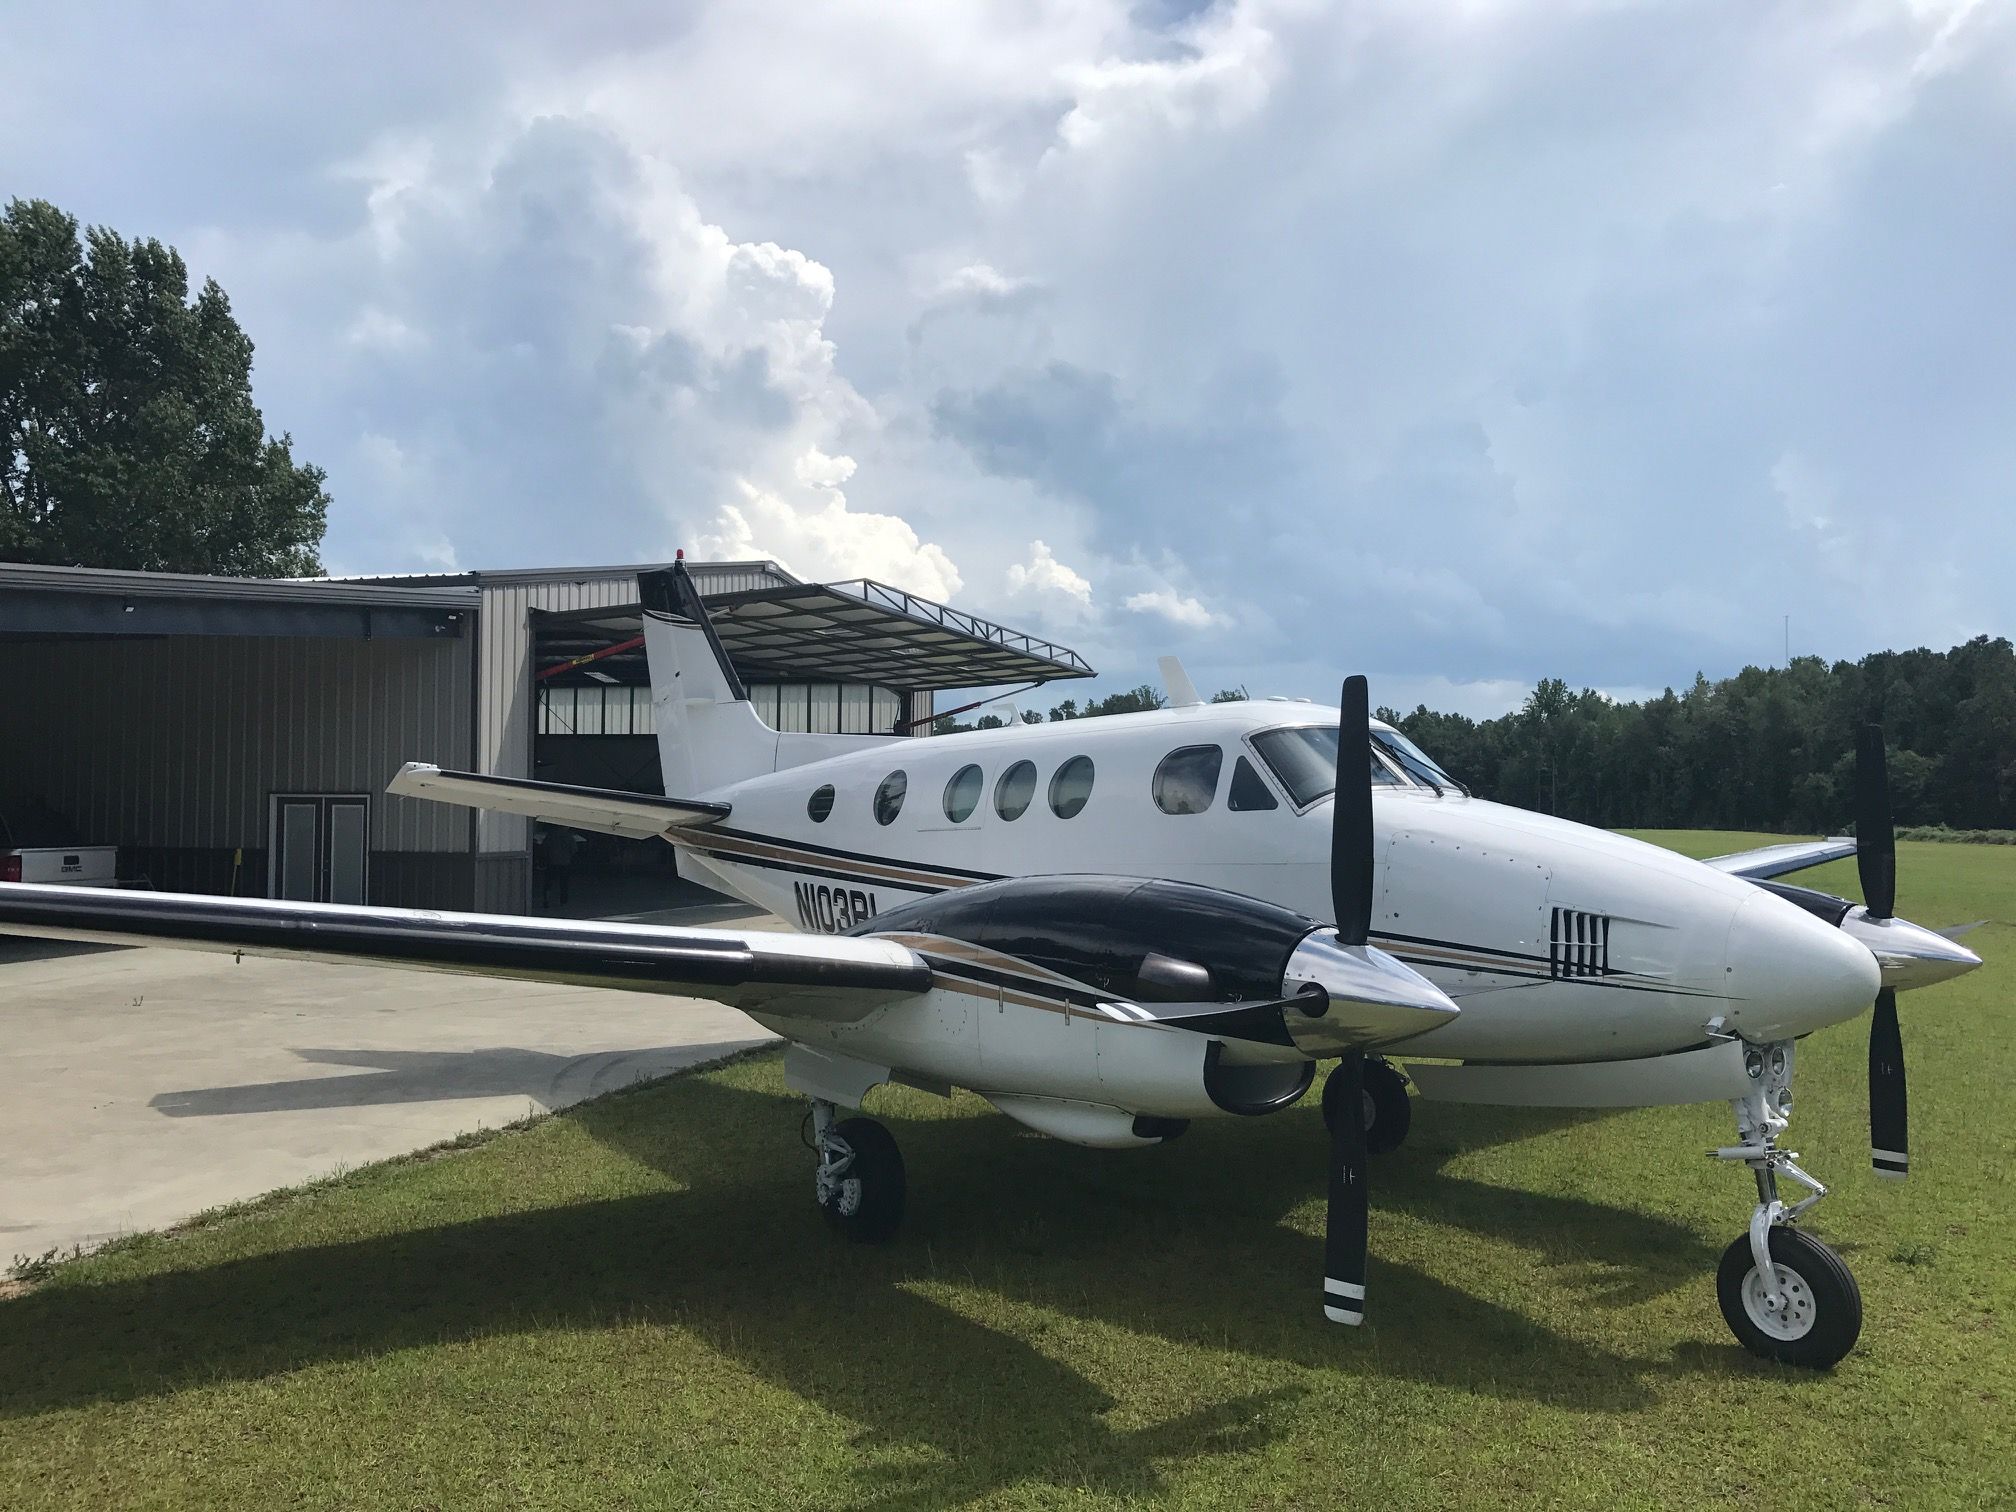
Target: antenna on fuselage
(1182,692)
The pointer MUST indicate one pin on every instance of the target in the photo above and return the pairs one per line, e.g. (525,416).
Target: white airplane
(1110,927)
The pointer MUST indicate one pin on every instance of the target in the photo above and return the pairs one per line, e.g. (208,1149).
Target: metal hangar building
(235,735)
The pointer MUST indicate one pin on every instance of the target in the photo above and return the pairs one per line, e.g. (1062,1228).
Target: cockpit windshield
(1305,761)
(1414,761)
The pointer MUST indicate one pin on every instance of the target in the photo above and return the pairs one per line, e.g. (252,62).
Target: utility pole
(1788,641)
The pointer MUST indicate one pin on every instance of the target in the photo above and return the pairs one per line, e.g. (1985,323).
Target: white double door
(320,847)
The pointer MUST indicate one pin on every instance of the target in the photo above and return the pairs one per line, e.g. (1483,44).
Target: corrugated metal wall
(178,742)
(505,719)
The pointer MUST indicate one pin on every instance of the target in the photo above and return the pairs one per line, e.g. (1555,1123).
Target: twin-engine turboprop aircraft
(1109,927)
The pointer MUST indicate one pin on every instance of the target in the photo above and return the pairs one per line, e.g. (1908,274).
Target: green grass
(633,1305)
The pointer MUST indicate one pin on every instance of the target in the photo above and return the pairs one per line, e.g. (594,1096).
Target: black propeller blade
(1344,1223)
(1876,863)
(1351,818)
(1889,1109)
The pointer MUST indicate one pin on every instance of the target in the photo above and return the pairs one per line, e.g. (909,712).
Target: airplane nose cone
(1910,954)
(1789,973)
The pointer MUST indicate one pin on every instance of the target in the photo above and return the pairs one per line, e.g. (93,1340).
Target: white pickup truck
(38,845)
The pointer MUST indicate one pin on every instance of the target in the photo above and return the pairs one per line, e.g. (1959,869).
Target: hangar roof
(48,602)
(854,631)
(492,577)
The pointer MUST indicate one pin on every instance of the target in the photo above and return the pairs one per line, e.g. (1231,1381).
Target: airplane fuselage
(1561,942)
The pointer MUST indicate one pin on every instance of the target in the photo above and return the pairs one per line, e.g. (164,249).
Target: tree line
(1772,748)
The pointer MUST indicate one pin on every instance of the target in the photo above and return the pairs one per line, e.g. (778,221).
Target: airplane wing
(639,816)
(801,976)
(1777,860)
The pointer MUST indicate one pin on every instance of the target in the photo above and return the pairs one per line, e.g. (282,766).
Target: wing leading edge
(833,978)
(1778,860)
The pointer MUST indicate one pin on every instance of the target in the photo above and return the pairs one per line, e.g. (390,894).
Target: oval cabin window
(889,797)
(1013,792)
(962,794)
(1071,787)
(1187,779)
(820,804)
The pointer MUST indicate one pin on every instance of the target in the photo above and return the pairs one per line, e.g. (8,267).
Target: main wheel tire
(866,1204)
(1387,1109)
(1820,1315)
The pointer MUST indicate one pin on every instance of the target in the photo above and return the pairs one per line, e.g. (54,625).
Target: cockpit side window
(1249,791)
(1187,780)
(1304,760)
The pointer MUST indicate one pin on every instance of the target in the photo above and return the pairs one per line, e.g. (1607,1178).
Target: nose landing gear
(1784,1294)
(1387,1111)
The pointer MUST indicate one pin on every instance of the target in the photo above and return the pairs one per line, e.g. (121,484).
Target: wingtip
(408,778)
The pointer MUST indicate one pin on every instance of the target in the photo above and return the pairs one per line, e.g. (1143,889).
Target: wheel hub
(1793,1315)
(848,1202)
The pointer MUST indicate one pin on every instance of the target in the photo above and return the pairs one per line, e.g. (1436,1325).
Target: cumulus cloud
(1043,576)
(1177,608)
(815,535)
(550,333)
(1491,341)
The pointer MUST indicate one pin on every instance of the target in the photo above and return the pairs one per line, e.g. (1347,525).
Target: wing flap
(1778,860)
(638,816)
(815,977)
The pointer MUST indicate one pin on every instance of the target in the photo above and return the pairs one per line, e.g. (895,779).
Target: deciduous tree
(128,436)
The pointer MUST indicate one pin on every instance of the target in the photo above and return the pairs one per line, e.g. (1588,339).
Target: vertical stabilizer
(709,733)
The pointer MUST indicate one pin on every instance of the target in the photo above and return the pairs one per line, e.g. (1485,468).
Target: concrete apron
(143,1086)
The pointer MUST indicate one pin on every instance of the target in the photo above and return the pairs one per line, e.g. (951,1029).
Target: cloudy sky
(1461,342)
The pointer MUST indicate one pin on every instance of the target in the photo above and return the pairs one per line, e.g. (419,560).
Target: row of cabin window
(1186,782)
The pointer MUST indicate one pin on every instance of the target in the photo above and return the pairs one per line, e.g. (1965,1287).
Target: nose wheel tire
(1809,1313)
(1386,1107)
(860,1185)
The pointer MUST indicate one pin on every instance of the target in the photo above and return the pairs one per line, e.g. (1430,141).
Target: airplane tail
(709,733)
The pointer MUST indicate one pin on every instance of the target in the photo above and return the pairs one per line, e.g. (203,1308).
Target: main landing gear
(859,1183)
(1784,1294)
(1386,1108)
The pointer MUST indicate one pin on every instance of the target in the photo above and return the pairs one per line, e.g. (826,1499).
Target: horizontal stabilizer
(639,816)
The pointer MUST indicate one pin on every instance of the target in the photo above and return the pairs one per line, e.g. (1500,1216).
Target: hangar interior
(235,735)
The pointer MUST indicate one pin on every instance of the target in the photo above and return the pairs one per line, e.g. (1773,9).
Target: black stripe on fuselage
(698,839)
(796,868)
(1395,943)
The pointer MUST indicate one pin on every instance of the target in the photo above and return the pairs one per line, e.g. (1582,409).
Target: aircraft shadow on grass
(1186,1244)
(416,1076)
